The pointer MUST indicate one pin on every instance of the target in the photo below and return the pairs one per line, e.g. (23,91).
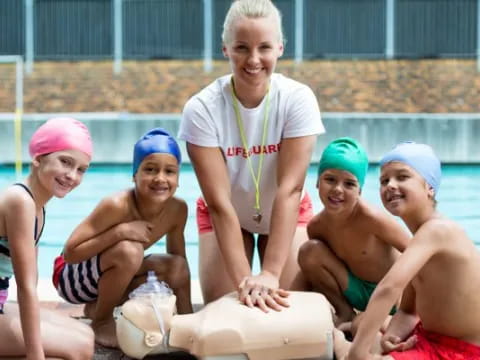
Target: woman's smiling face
(253,51)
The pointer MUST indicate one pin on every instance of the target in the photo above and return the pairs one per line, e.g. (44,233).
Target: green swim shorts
(359,291)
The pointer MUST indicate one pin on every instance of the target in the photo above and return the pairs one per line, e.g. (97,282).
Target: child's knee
(178,273)
(128,254)
(308,255)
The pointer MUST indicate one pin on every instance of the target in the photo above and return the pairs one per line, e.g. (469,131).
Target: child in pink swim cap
(61,151)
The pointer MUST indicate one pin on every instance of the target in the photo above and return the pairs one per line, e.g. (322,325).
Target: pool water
(458,198)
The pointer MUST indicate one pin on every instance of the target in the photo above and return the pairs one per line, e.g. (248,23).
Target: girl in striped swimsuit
(61,150)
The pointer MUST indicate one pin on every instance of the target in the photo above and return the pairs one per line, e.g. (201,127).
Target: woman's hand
(262,291)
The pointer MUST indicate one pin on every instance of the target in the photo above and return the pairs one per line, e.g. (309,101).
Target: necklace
(257,216)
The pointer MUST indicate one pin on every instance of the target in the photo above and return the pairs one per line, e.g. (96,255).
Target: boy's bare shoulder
(373,215)
(442,235)
(119,202)
(179,201)
(439,228)
(383,225)
(369,211)
(316,226)
(118,198)
(175,214)
(178,206)
(319,217)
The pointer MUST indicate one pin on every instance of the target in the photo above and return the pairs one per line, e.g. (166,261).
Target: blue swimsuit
(6,267)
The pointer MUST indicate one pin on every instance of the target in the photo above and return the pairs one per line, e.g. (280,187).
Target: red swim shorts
(204,224)
(433,346)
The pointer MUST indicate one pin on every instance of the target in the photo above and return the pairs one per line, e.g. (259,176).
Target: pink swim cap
(61,133)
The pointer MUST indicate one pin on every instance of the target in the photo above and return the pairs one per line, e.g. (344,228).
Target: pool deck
(50,299)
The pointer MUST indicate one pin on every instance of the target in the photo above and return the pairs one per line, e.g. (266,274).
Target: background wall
(164,86)
(453,136)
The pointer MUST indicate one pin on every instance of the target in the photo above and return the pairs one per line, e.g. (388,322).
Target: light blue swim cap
(345,154)
(421,158)
(155,141)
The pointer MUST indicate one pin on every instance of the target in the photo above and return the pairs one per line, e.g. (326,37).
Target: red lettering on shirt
(233,151)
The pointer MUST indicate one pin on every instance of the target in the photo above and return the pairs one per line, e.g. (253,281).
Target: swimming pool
(458,198)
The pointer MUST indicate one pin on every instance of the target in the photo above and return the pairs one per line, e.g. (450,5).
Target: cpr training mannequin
(226,329)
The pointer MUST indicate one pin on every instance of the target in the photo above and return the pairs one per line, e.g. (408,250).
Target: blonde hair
(251,9)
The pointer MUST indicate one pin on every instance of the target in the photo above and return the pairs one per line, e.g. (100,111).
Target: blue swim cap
(155,141)
(345,154)
(420,157)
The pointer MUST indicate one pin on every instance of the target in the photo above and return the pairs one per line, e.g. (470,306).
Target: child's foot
(105,333)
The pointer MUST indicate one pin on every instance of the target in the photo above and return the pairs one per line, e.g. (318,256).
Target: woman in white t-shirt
(250,136)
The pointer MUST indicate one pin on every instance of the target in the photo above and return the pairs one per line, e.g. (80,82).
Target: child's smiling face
(401,188)
(157,176)
(338,190)
(62,171)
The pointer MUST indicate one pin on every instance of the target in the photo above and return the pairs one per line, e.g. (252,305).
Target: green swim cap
(345,154)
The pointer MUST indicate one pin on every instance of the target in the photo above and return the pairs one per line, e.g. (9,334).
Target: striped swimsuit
(77,283)
(6,267)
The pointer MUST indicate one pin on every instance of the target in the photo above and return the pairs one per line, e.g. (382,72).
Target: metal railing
(190,29)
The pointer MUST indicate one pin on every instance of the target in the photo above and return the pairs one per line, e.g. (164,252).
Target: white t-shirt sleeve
(302,114)
(197,126)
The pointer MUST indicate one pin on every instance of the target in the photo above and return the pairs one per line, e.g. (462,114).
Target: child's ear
(36,161)
(281,49)
(431,192)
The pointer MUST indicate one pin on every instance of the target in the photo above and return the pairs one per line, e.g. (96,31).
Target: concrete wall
(453,136)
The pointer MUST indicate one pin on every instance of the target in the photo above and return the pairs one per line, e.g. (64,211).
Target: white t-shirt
(209,120)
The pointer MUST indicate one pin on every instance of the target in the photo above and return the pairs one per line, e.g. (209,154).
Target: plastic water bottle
(151,287)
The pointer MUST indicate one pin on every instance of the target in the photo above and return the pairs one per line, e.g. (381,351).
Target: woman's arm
(293,162)
(212,176)
(302,124)
(19,221)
